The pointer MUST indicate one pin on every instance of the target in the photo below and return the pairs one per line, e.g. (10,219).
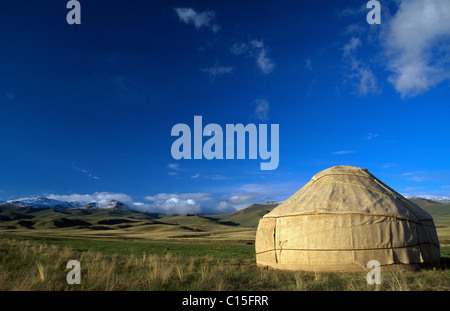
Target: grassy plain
(123,250)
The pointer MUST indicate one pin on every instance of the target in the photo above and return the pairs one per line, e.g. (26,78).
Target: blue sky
(87,110)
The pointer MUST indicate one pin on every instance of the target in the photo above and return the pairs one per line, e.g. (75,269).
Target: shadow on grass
(445,263)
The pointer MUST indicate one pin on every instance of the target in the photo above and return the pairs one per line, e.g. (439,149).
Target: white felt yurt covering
(340,220)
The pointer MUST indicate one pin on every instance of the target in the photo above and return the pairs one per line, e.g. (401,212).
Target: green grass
(28,264)
(123,250)
(183,249)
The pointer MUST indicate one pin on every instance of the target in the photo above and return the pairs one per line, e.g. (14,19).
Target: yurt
(342,219)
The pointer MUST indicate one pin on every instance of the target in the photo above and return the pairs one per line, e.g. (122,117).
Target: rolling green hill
(441,217)
(247,217)
(439,211)
(121,223)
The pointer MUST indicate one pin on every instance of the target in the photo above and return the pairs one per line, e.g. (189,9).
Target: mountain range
(46,203)
(114,219)
(40,202)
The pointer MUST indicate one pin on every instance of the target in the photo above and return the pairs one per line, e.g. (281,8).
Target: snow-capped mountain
(106,204)
(42,202)
(46,203)
(440,199)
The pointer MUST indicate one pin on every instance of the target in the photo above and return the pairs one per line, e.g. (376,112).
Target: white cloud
(361,11)
(358,72)
(195,176)
(177,206)
(87,173)
(198,19)
(257,50)
(371,136)
(239,201)
(342,152)
(198,196)
(239,48)
(183,203)
(95,197)
(417,45)
(418,176)
(413,189)
(217,71)
(264,63)
(367,80)
(217,177)
(353,29)
(272,191)
(389,165)
(174,169)
(413,173)
(262,109)
(308,65)
(174,166)
(206,203)
(351,46)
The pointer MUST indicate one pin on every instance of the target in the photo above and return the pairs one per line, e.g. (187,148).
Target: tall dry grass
(26,265)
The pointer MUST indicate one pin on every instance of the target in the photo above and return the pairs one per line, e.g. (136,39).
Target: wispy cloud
(87,173)
(273,191)
(350,47)
(353,29)
(417,176)
(195,176)
(389,165)
(417,45)
(353,12)
(198,19)
(216,177)
(217,71)
(343,152)
(413,173)
(372,136)
(239,48)
(409,189)
(174,169)
(357,71)
(258,51)
(174,166)
(264,63)
(262,109)
(308,64)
